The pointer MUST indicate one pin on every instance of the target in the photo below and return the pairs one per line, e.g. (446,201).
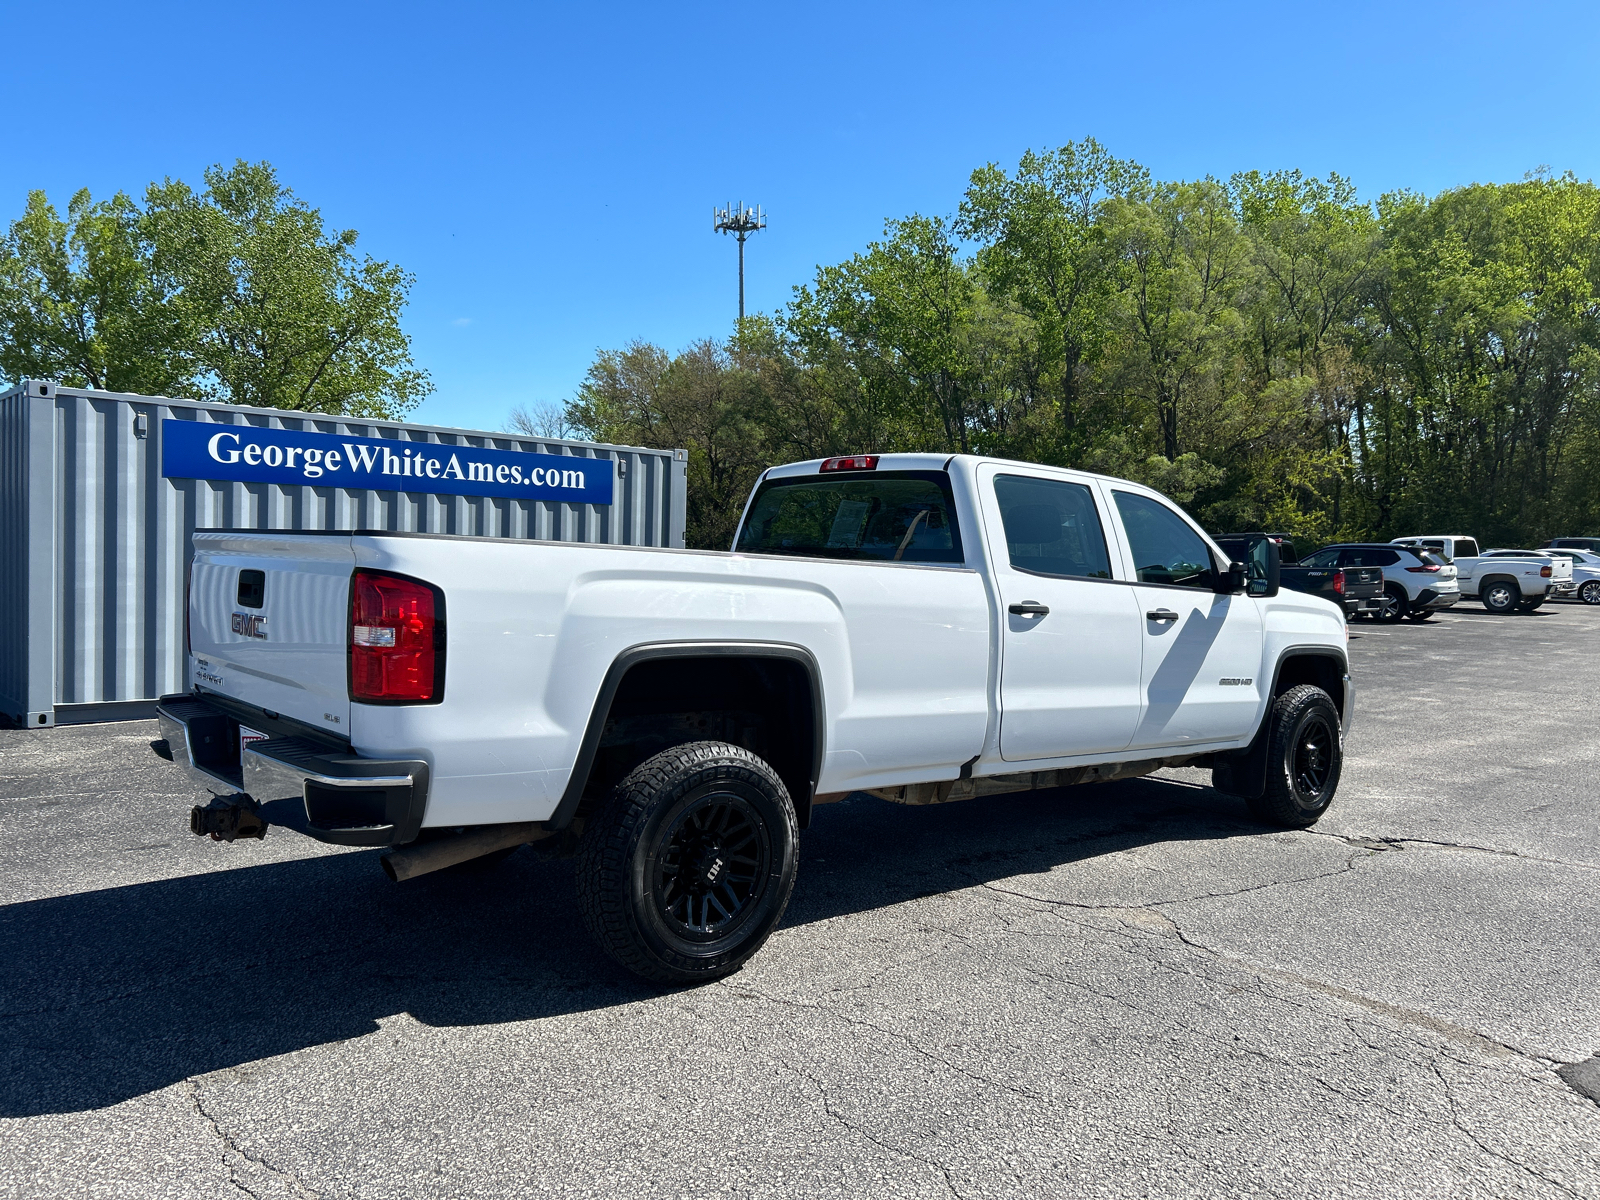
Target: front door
(1202,667)
(1069,668)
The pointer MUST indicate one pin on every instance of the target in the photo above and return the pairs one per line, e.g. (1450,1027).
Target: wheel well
(767,705)
(1323,670)
(1488,579)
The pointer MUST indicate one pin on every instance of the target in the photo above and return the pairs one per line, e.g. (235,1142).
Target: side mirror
(1266,565)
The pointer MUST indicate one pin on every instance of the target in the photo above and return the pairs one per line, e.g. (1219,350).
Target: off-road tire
(654,847)
(1589,593)
(1501,596)
(1399,606)
(1303,759)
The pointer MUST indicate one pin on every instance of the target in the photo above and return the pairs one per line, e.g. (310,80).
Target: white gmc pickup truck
(920,627)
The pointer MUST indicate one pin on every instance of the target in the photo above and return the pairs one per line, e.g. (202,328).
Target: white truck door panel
(1201,650)
(1069,676)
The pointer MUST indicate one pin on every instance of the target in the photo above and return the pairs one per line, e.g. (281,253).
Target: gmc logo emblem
(250,626)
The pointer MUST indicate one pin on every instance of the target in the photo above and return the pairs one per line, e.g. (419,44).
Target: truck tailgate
(268,622)
(1361,582)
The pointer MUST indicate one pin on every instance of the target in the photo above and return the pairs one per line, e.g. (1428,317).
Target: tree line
(1270,350)
(234,293)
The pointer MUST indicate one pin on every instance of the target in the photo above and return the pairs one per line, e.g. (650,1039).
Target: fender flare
(567,807)
(1249,766)
(1498,577)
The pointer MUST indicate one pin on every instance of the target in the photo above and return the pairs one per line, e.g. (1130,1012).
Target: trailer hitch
(227,818)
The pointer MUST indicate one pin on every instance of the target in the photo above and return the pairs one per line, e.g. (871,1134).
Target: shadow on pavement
(111,994)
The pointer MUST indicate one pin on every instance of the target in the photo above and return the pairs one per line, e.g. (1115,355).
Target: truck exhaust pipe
(420,858)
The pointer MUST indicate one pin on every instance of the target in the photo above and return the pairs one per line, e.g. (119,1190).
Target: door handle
(1030,608)
(1161,614)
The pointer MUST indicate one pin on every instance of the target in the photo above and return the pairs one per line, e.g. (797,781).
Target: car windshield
(889,516)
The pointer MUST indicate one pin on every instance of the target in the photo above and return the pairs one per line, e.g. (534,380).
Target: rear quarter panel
(533,627)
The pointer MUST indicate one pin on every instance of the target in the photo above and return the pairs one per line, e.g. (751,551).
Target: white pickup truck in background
(1500,582)
(920,627)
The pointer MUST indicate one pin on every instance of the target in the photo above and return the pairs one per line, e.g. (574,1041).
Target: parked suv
(1590,544)
(1357,590)
(1585,571)
(1416,582)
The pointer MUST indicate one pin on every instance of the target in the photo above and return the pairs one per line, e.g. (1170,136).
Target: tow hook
(227,818)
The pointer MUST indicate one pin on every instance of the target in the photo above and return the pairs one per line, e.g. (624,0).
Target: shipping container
(100,491)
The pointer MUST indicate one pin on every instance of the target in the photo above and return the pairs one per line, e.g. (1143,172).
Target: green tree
(1186,260)
(702,400)
(902,311)
(282,313)
(80,304)
(1045,249)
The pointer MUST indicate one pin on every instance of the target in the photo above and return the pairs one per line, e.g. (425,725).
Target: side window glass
(1052,527)
(1322,558)
(1165,549)
(1382,558)
(1353,558)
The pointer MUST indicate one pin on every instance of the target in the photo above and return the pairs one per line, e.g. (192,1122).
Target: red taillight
(1424,567)
(1338,582)
(855,462)
(394,631)
(1545,572)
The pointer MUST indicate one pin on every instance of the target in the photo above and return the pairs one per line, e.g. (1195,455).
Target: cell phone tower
(741,222)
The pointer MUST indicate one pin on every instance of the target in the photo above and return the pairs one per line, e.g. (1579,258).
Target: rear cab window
(1466,548)
(874,516)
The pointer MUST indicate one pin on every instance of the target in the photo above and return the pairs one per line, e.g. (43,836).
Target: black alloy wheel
(1501,596)
(711,867)
(1589,593)
(686,870)
(1304,758)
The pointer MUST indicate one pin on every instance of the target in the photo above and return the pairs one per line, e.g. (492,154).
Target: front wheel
(1392,606)
(1303,758)
(1589,593)
(686,871)
(1501,597)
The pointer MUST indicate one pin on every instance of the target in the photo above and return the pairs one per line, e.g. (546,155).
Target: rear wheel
(1501,596)
(686,871)
(1303,758)
(1589,593)
(1419,614)
(1392,605)
(1531,605)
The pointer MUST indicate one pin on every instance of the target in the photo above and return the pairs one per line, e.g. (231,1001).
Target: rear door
(268,617)
(1070,640)
(1202,650)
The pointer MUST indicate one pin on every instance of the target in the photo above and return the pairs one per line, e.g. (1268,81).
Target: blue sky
(548,172)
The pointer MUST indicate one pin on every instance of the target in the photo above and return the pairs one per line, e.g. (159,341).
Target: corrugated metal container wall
(95,543)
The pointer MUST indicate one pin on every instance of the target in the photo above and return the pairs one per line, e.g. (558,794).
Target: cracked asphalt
(1116,990)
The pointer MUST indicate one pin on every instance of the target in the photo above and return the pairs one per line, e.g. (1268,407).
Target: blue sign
(249,454)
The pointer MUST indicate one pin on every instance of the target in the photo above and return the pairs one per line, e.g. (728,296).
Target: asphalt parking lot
(1120,990)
